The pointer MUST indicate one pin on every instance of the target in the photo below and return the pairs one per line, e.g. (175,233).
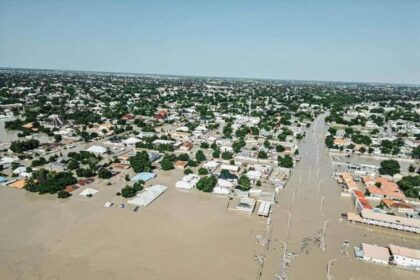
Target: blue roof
(3,179)
(143,176)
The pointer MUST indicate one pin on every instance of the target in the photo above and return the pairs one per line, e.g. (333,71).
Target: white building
(405,256)
(376,254)
(98,150)
(188,182)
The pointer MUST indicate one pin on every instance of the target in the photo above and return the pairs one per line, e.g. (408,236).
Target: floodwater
(315,234)
(191,235)
(181,235)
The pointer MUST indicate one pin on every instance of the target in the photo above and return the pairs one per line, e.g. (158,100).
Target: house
(143,176)
(230,167)
(187,182)
(246,205)
(131,141)
(397,205)
(223,187)
(387,189)
(181,164)
(376,254)
(18,184)
(254,175)
(362,203)
(186,146)
(211,165)
(405,256)
(97,150)
(88,192)
(148,196)
(226,175)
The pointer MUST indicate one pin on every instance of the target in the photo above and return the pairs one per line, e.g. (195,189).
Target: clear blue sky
(337,40)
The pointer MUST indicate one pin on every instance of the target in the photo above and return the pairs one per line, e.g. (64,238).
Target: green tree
(207,183)
(226,155)
(104,173)
(285,161)
(389,167)
(128,192)
(203,171)
(63,194)
(262,155)
(140,162)
(199,156)
(244,183)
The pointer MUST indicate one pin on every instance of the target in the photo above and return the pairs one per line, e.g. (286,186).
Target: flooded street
(307,232)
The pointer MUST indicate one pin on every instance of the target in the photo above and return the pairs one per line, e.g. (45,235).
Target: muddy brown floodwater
(191,235)
(314,235)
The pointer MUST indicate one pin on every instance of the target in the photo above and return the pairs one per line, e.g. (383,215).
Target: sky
(359,41)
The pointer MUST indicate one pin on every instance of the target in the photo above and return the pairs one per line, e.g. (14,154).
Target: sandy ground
(182,235)
(313,200)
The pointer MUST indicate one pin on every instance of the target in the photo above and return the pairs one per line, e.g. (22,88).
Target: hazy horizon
(355,42)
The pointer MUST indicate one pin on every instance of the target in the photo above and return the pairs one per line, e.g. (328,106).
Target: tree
(389,167)
(188,171)
(183,157)
(410,186)
(63,194)
(204,145)
(138,186)
(280,148)
(416,152)
(22,146)
(104,173)
(44,181)
(226,155)
(207,183)
(140,162)
(58,137)
(199,156)
(329,141)
(216,153)
(411,168)
(262,155)
(73,164)
(244,183)
(128,191)
(332,131)
(203,171)
(167,163)
(285,161)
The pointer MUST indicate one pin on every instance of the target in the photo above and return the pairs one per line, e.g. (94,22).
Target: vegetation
(285,161)
(140,162)
(389,167)
(410,185)
(44,181)
(22,146)
(207,183)
(244,183)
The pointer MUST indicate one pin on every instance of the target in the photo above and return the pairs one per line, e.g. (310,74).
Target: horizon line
(209,76)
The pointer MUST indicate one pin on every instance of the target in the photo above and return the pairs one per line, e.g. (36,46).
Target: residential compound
(374,148)
(201,150)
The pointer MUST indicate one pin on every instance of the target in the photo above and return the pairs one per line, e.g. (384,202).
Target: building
(376,254)
(371,217)
(97,150)
(405,256)
(148,196)
(143,176)
(188,182)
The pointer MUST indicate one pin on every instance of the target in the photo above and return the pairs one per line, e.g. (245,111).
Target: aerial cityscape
(163,174)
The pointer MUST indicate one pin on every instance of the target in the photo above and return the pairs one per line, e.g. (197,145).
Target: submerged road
(308,234)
